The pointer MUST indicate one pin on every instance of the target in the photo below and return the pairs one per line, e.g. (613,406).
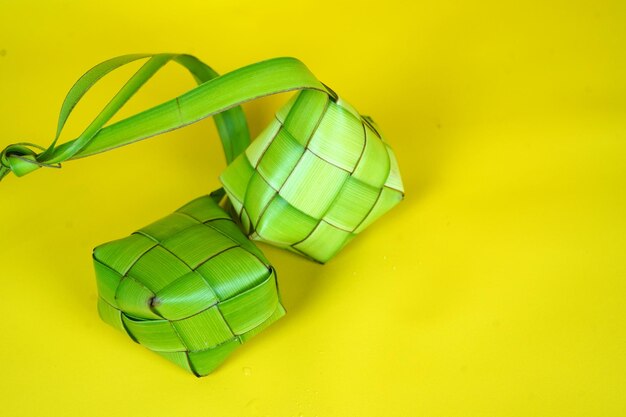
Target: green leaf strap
(214,96)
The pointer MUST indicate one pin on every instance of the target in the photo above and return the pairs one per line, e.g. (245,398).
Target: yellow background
(497,288)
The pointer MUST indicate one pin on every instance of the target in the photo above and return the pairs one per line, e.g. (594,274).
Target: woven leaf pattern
(315,178)
(189,287)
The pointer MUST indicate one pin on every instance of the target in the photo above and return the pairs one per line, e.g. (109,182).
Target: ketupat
(314,179)
(318,175)
(190,287)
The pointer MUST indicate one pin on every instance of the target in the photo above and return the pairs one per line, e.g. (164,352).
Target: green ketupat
(314,178)
(190,287)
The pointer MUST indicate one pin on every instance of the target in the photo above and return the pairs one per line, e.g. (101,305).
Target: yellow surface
(497,288)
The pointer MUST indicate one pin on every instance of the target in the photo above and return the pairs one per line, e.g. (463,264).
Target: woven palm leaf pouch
(314,178)
(192,286)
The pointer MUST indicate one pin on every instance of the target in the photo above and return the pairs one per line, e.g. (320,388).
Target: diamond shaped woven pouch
(314,179)
(190,287)
(317,176)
